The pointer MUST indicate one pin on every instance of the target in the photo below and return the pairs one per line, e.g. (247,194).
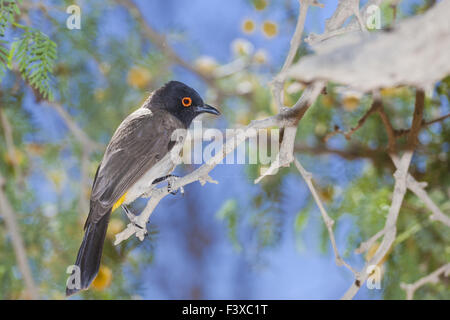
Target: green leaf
(35,54)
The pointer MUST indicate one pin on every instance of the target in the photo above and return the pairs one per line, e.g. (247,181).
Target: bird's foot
(170,181)
(170,178)
(134,220)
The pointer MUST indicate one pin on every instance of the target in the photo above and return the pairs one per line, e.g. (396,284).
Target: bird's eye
(186,101)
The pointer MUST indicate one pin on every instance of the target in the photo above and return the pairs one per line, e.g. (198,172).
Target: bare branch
(416,125)
(10,148)
(366,245)
(334,25)
(400,187)
(292,116)
(307,176)
(390,229)
(389,130)
(278,84)
(367,62)
(375,105)
(88,144)
(431,278)
(402,132)
(12,226)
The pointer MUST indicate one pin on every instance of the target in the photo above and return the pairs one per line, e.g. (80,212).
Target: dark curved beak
(206,108)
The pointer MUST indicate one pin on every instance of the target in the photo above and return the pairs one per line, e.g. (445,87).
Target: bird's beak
(207,108)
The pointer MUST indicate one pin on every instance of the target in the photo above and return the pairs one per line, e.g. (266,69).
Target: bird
(139,155)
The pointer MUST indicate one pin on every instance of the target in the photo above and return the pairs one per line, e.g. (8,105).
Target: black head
(181,101)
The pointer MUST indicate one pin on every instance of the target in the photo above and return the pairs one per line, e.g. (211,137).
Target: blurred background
(233,240)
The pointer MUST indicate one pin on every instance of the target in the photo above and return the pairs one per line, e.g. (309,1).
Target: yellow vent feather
(119,202)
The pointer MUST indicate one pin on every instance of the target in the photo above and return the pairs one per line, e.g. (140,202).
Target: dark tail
(90,254)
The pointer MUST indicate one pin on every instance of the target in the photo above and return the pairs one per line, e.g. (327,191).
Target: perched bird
(139,155)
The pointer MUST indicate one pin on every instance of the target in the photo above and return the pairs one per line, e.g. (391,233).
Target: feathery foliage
(34,52)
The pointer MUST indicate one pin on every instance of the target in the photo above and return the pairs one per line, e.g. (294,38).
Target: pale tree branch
(390,229)
(366,245)
(334,26)
(88,144)
(293,116)
(278,84)
(402,132)
(389,130)
(348,134)
(367,62)
(9,216)
(329,222)
(10,147)
(418,188)
(433,277)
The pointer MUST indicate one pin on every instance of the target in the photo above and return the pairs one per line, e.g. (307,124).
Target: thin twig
(307,176)
(88,144)
(10,147)
(278,84)
(402,132)
(400,187)
(375,105)
(389,130)
(433,277)
(348,134)
(9,216)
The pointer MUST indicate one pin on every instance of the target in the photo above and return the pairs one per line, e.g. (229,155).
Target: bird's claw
(171,178)
(170,181)
(133,219)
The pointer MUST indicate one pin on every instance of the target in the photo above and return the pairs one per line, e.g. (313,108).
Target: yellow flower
(270,29)
(260,56)
(139,77)
(393,91)
(241,47)
(103,278)
(17,157)
(350,103)
(205,64)
(58,178)
(327,100)
(248,26)
(99,95)
(260,4)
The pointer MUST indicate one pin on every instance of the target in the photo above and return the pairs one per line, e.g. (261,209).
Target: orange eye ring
(186,101)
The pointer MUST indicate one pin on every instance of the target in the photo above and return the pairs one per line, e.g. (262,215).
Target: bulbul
(139,154)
